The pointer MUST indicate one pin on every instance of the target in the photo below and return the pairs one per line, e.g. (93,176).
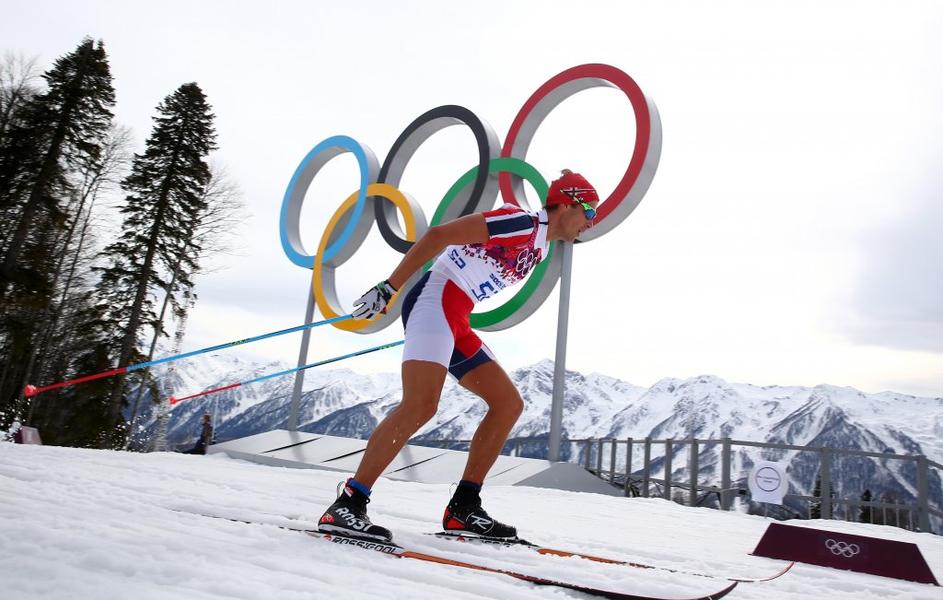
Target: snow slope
(100,524)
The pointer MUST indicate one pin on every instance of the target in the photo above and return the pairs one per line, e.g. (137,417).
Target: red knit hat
(569,188)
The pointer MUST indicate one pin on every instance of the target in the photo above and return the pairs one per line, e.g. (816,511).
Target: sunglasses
(588,211)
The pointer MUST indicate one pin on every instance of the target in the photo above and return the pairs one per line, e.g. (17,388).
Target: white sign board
(768,482)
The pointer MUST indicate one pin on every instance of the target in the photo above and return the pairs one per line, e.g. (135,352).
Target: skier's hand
(374,302)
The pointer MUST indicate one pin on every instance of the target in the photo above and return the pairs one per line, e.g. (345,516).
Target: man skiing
(477,256)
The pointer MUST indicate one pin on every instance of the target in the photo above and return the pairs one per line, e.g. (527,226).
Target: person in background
(205,439)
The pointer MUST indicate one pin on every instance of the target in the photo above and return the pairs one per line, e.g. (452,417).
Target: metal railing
(614,460)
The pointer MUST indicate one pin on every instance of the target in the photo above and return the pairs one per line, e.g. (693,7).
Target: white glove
(374,301)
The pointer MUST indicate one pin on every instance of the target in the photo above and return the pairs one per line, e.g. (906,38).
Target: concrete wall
(414,463)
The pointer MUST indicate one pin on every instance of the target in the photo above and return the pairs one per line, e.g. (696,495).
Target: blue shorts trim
(460,365)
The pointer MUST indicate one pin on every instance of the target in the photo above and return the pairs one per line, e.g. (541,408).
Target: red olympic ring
(641,169)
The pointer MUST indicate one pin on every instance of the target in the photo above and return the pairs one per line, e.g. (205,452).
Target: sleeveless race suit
(436,311)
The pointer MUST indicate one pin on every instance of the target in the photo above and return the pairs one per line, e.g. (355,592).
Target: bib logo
(525,260)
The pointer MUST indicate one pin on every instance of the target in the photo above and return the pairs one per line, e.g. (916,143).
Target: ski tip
(783,572)
(762,579)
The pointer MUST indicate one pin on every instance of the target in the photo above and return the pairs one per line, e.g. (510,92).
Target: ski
(566,553)
(401,552)
(395,550)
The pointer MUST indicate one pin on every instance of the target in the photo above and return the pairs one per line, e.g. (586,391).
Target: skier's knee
(515,406)
(423,410)
(508,408)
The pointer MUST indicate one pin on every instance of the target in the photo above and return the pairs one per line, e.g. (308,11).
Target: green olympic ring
(536,288)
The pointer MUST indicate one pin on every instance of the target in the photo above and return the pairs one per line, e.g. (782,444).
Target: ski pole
(31,390)
(174,400)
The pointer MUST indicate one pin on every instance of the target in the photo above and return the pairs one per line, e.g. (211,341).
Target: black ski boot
(348,517)
(471,520)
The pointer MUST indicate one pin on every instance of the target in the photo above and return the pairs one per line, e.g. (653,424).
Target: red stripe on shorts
(457,306)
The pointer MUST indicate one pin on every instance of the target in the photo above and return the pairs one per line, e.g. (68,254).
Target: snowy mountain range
(344,403)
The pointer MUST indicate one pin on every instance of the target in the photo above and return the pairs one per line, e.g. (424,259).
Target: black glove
(374,301)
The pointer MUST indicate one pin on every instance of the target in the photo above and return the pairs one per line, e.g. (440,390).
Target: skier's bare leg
(492,384)
(422,387)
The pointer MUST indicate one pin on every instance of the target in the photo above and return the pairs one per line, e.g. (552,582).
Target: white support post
(559,363)
(302,360)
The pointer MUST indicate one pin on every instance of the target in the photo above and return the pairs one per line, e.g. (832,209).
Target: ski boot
(348,517)
(472,521)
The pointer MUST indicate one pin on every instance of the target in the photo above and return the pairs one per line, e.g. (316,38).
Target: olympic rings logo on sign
(842,548)
(497,171)
(768,479)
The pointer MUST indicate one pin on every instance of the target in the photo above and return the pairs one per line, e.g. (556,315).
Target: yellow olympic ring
(322,278)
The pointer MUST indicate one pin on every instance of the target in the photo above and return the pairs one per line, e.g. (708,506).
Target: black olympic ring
(482,193)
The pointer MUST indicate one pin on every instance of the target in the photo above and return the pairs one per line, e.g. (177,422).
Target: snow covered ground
(99,524)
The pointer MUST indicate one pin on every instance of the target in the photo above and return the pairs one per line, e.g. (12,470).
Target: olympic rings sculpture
(503,171)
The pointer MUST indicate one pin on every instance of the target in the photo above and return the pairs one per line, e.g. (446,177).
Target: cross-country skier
(479,255)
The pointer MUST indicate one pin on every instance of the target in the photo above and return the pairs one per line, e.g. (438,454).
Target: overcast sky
(791,235)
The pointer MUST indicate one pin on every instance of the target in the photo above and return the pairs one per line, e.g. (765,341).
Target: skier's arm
(470,229)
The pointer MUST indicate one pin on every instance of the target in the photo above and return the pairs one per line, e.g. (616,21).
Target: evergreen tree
(48,138)
(18,77)
(77,415)
(163,209)
(60,129)
(17,87)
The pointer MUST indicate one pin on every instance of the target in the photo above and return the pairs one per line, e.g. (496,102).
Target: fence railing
(614,460)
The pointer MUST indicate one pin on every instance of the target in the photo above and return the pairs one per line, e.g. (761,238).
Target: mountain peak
(700,382)
(544,364)
(831,393)
(594,406)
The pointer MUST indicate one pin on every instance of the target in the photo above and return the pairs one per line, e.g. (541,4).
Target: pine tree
(48,138)
(73,326)
(60,129)
(78,415)
(18,77)
(165,204)
(17,87)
